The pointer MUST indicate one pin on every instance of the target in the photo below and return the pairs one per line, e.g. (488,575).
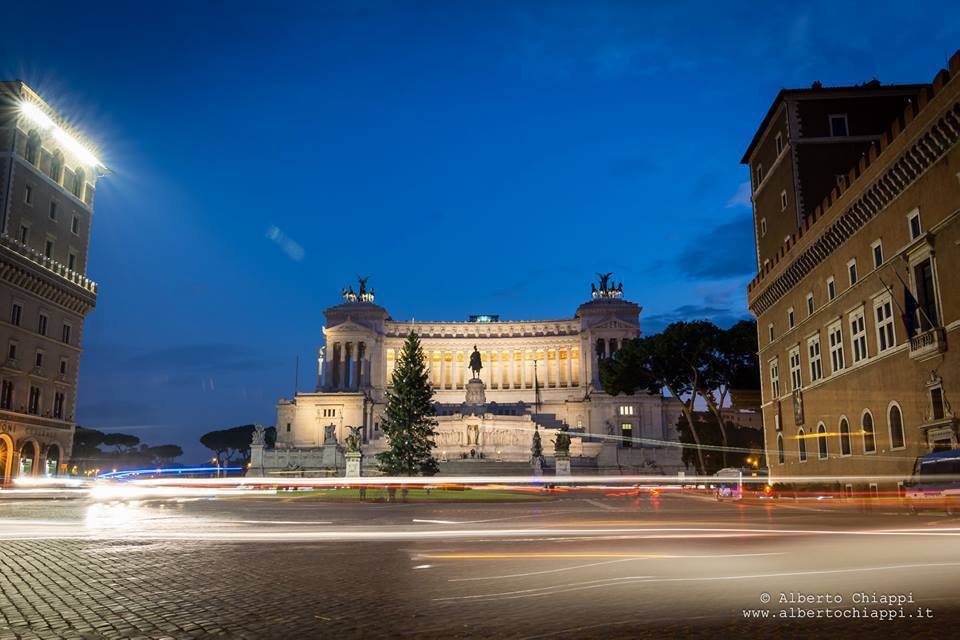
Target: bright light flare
(36,115)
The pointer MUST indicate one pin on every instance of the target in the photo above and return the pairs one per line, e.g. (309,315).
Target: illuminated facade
(496,422)
(47,185)
(857,310)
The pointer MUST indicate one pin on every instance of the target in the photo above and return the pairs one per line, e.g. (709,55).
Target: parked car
(935,483)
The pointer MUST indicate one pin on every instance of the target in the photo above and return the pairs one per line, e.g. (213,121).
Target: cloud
(720,316)
(723,251)
(741,198)
(289,246)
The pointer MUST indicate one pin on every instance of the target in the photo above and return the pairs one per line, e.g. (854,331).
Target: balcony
(49,264)
(928,344)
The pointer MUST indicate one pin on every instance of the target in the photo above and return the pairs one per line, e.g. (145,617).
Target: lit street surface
(574,565)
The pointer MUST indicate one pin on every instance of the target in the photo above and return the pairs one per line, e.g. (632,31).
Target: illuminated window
(626,433)
(626,410)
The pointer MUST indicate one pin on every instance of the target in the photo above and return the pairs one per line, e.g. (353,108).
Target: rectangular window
(42,324)
(6,395)
(852,271)
(63,366)
(24,234)
(779,142)
(626,433)
(770,332)
(877,248)
(39,360)
(795,379)
(66,333)
(72,261)
(813,354)
(883,311)
(28,194)
(783,201)
(53,210)
(810,307)
(791,318)
(58,405)
(288,427)
(16,313)
(936,403)
(33,406)
(626,410)
(48,248)
(775,378)
(926,295)
(835,336)
(759,174)
(763,227)
(838,125)
(858,336)
(75,225)
(831,288)
(913,222)
(12,351)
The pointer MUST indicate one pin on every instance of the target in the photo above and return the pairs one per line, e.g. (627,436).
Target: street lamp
(216,461)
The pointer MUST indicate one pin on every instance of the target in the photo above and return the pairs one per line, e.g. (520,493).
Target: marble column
(569,367)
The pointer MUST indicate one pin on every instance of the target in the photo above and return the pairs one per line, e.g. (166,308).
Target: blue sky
(469,157)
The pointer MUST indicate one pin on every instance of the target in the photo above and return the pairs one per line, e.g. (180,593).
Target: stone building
(537,374)
(48,179)
(856,295)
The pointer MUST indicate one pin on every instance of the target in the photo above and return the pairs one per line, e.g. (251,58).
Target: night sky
(469,158)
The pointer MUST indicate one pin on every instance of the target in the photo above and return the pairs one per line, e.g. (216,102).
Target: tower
(48,177)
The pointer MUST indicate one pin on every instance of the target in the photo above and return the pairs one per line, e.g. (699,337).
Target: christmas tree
(408,416)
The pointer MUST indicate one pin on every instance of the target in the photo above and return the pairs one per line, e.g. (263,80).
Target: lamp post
(216,461)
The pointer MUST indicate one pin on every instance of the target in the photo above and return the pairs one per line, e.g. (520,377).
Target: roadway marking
(601,505)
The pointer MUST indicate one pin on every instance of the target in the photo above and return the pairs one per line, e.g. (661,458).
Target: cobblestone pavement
(117,572)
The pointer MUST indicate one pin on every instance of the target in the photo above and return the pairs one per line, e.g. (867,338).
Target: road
(579,565)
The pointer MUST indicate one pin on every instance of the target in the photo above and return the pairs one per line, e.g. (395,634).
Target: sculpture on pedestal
(561,443)
(354,440)
(475,363)
(606,291)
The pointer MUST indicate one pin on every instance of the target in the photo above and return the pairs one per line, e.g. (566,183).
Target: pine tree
(408,417)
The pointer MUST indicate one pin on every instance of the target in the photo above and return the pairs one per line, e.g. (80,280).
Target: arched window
(601,349)
(802,446)
(780,456)
(56,166)
(869,440)
(822,441)
(77,187)
(844,437)
(33,147)
(895,420)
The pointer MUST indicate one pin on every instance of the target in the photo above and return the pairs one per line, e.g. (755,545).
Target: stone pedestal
(476,391)
(563,465)
(353,464)
(256,459)
(537,467)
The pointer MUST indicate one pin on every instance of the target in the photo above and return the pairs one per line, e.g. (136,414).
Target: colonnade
(552,367)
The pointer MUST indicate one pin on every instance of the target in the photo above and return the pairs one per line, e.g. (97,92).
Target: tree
(408,416)
(229,443)
(163,454)
(675,359)
(731,365)
(122,442)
